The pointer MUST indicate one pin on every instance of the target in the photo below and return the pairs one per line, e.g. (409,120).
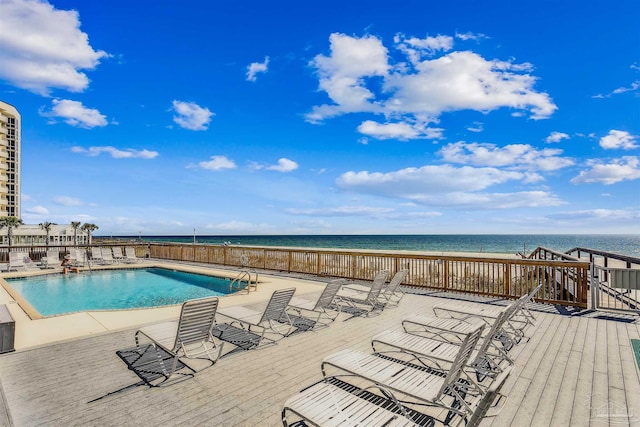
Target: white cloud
(462,81)
(400,130)
(38,210)
(447,186)
(520,156)
(415,49)
(556,137)
(618,139)
(476,127)
(67,201)
(437,179)
(633,87)
(116,153)
(257,67)
(237,227)
(341,211)
(358,77)
(341,74)
(191,116)
(43,48)
(218,163)
(75,114)
(471,36)
(284,165)
(624,169)
(598,215)
(364,211)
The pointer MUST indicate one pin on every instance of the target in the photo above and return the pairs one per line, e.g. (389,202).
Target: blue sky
(347,117)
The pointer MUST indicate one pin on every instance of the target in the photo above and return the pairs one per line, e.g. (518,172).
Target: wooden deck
(577,369)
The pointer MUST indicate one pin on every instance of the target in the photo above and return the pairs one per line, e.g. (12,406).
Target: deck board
(600,384)
(569,359)
(549,387)
(563,405)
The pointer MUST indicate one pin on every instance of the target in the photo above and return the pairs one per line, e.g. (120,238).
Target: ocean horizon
(628,245)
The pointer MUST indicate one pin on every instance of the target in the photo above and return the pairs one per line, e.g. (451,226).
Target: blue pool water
(116,289)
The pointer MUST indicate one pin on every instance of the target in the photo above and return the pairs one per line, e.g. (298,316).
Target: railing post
(445,274)
(595,285)
(507,278)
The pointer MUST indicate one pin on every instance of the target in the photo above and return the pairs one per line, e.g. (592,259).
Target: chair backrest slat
(106,254)
(376,287)
(466,349)
(329,293)
(130,252)
(496,329)
(396,281)
(196,320)
(277,304)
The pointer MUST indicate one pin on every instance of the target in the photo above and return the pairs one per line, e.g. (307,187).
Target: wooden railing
(564,281)
(549,254)
(629,261)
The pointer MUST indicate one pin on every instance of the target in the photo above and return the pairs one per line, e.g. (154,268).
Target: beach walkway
(577,369)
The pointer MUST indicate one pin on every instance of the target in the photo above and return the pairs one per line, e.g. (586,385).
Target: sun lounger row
(106,255)
(394,388)
(22,260)
(247,328)
(455,364)
(200,322)
(75,257)
(362,300)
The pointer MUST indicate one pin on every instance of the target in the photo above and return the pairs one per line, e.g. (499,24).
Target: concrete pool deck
(34,332)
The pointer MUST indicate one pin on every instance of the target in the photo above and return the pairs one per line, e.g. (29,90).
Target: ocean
(492,243)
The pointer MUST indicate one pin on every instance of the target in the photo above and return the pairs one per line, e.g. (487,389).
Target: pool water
(116,289)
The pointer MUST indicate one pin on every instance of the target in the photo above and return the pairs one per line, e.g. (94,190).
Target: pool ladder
(243,281)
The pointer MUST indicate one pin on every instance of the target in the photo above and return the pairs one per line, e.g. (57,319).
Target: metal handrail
(244,277)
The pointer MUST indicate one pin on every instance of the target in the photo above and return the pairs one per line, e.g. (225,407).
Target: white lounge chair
(76,257)
(130,255)
(454,329)
(492,350)
(247,328)
(316,313)
(16,261)
(391,293)
(96,256)
(51,260)
(411,383)
(107,256)
(363,302)
(189,336)
(519,319)
(118,256)
(325,404)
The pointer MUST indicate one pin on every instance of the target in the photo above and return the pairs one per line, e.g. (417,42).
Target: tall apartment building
(9,160)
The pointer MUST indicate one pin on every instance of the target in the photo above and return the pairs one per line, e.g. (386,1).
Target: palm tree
(75,225)
(46,226)
(89,228)
(10,222)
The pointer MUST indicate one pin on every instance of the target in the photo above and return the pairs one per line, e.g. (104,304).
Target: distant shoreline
(484,244)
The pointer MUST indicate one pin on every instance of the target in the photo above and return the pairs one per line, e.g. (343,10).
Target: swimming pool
(115,289)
